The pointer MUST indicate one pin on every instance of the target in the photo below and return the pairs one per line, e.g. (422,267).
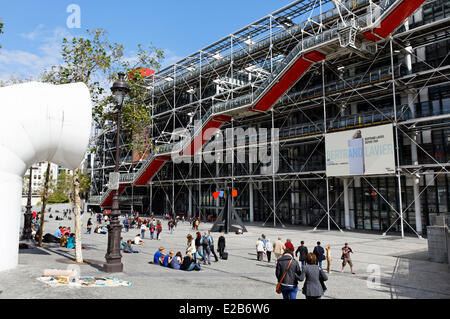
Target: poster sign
(358,152)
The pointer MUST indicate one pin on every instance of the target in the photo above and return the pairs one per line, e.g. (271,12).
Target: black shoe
(209,263)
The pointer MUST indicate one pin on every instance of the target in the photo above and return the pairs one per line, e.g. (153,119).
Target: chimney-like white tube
(38,122)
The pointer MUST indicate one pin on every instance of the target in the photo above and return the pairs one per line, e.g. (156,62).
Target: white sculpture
(38,122)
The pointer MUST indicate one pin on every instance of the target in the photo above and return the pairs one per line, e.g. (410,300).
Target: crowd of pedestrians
(308,268)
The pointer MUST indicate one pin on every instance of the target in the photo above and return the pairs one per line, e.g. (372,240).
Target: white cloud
(170,58)
(33,34)
(26,64)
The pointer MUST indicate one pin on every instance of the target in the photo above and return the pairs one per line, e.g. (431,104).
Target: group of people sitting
(65,236)
(175,261)
(101,230)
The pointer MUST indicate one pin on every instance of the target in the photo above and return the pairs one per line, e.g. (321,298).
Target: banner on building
(366,151)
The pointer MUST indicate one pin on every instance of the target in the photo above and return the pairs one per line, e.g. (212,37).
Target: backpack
(205,241)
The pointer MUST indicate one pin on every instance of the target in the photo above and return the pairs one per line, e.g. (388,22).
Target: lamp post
(113,256)
(26,232)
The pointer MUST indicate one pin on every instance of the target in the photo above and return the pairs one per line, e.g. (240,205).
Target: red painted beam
(394,19)
(151,170)
(108,201)
(315,56)
(287,80)
(207,131)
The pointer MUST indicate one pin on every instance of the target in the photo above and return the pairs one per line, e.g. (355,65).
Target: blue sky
(34,29)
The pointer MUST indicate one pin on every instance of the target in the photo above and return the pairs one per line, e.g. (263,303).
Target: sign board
(359,152)
(114,179)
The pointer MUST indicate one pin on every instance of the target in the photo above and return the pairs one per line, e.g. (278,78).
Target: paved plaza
(404,268)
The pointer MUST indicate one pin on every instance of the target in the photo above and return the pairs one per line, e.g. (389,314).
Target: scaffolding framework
(309,58)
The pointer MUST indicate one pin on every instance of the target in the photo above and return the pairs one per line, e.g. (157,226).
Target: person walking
(289,244)
(152,230)
(288,273)
(320,254)
(126,225)
(198,244)
(278,248)
(269,249)
(346,258)
(158,231)
(143,229)
(221,245)
(263,239)
(89,226)
(197,223)
(259,250)
(211,246)
(302,250)
(314,277)
(328,256)
(205,242)
(170,224)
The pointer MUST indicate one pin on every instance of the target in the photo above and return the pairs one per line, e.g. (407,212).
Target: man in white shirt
(138,240)
(143,229)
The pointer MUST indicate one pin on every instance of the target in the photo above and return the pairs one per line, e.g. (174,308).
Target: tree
(91,60)
(62,190)
(1,29)
(44,204)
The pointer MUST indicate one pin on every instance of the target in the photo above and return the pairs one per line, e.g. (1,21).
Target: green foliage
(1,29)
(85,183)
(61,192)
(25,184)
(94,60)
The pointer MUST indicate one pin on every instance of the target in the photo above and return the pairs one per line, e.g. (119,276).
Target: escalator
(305,54)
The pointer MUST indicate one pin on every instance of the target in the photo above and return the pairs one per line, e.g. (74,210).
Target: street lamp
(26,232)
(113,256)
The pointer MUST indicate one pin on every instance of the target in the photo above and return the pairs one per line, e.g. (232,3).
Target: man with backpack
(206,242)
(211,246)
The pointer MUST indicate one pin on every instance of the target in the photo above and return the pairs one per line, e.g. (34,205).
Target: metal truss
(233,69)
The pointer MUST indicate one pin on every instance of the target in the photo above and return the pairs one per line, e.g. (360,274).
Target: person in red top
(289,244)
(158,231)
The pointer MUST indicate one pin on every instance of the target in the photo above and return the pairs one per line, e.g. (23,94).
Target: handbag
(322,283)
(278,288)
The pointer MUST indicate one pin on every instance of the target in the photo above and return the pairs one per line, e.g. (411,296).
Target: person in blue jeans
(319,251)
(143,229)
(189,264)
(126,225)
(127,248)
(288,273)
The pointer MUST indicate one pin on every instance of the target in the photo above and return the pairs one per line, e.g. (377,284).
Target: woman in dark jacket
(314,278)
(289,283)
(221,245)
(89,226)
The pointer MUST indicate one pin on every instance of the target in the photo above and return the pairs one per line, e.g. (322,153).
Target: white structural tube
(38,122)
